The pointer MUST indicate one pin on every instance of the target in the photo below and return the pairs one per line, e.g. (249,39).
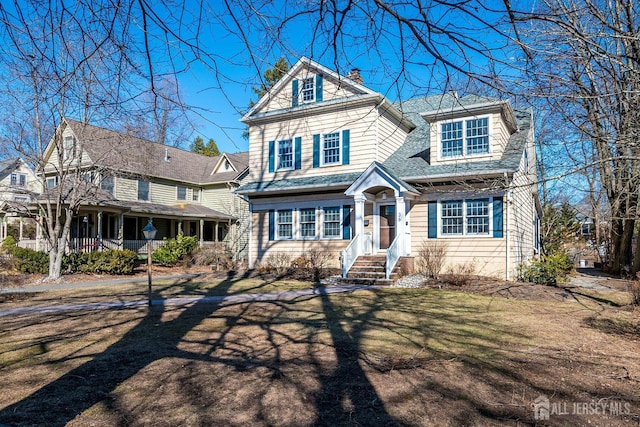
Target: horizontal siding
(262,248)
(126,188)
(360,122)
(219,198)
(390,137)
(282,99)
(488,255)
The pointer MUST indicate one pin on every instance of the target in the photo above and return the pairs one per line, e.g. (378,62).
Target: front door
(387,225)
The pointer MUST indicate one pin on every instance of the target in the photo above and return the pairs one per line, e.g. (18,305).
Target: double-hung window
(464,137)
(331,222)
(308,223)
(181,192)
(464,217)
(285,154)
(195,196)
(331,148)
(68,144)
(284,224)
(52,182)
(107,183)
(308,89)
(143,189)
(19,179)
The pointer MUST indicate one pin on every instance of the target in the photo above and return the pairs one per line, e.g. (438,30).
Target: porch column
(20,235)
(201,231)
(99,225)
(401,223)
(121,231)
(38,232)
(180,227)
(359,200)
(215,237)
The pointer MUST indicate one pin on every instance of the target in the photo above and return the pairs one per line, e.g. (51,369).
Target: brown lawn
(476,356)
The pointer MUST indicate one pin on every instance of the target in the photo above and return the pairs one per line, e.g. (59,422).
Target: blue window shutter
(318,87)
(345,147)
(272,155)
(346,222)
(498,217)
(272,225)
(432,220)
(298,152)
(294,93)
(316,150)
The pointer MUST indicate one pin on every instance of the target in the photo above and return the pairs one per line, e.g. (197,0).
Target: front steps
(370,270)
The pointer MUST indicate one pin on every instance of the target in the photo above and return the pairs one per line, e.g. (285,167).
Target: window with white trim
(464,137)
(308,90)
(464,217)
(331,222)
(284,224)
(181,192)
(19,179)
(195,196)
(308,223)
(285,154)
(68,146)
(331,148)
(52,182)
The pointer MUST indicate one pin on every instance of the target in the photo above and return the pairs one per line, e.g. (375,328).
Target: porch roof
(180,210)
(296,184)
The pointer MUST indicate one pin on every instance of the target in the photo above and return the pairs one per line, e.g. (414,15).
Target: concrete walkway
(220,299)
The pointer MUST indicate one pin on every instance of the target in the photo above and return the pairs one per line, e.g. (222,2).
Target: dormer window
(464,137)
(18,179)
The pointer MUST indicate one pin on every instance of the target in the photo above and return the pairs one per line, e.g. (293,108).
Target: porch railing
(90,244)
(393,255)
(360,244)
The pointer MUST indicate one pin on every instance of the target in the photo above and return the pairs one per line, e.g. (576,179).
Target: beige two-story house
(337,167)
(129,181)
(18,185)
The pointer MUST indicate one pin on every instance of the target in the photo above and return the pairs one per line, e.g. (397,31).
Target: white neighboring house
(18,184)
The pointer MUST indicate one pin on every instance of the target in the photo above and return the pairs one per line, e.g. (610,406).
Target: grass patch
(387,357)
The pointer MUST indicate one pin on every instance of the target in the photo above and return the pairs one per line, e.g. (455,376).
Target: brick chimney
(354,75)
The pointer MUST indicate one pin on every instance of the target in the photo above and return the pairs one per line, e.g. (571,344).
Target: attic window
(68,147)
(308,89)
(227,165)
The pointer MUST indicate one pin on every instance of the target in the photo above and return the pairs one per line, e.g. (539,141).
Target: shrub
(174,250)
(548,270)
(213,255)
(430,258)
(276,262)
(30,261)
(312,265)
(461,274)
(111,261)
(8,244)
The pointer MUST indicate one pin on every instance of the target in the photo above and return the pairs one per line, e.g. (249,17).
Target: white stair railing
(393,255)
(351,253)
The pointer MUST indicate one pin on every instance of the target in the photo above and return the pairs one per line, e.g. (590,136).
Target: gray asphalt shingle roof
(127,153)
(412,160)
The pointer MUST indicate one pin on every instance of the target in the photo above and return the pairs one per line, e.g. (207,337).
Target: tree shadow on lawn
(313,353)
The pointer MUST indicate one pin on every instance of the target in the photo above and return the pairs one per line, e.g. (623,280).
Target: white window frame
(68,147)
(178,187)
(323,148)
(278,156)
(323,223)
(303,90)
(195,195)
(315,223)
(465,138)
(277,224)
(18,179)
(51,182)
(465,224)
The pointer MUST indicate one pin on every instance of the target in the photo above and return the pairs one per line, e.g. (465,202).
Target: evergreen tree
(210,149)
